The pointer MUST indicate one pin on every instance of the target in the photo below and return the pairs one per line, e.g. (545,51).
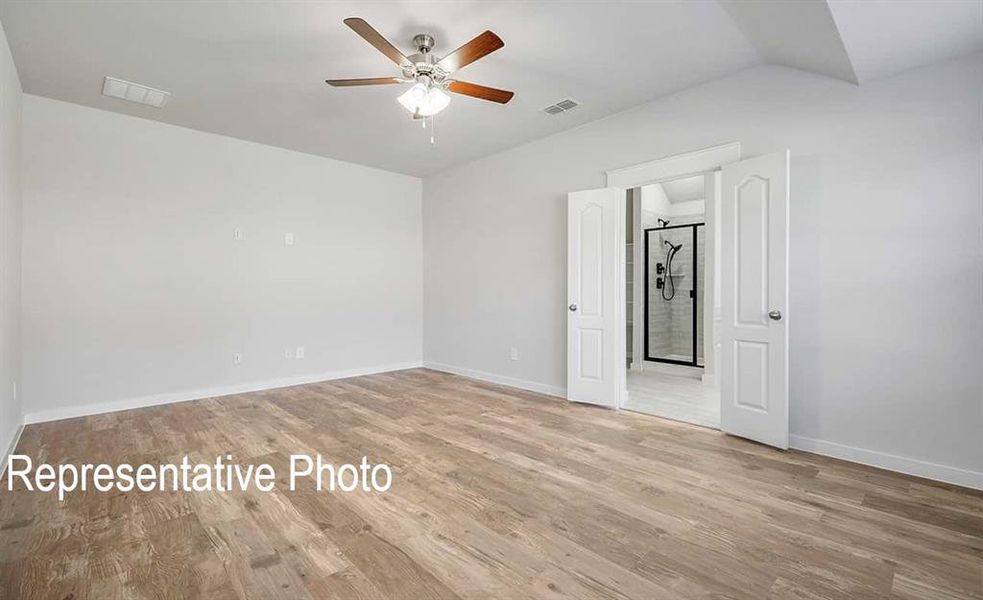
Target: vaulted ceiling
(256,70)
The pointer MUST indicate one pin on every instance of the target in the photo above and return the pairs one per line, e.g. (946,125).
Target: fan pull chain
(433,128)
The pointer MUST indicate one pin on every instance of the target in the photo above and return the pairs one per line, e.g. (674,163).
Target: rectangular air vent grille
(134,92)
(561,106)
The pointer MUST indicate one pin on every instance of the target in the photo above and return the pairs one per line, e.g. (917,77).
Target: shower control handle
(573,308)
(775,315)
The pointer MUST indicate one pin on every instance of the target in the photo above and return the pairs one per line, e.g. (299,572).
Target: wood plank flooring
(498,493)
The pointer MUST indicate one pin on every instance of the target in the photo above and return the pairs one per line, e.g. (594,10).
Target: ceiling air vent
(134,92)
(561,106)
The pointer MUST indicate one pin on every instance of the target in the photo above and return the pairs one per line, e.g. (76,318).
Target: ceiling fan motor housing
(423,42)
(424,64)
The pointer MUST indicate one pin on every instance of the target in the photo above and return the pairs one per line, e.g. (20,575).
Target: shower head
(674,247)
(663,222)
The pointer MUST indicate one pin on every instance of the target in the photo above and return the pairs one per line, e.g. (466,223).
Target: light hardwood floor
(498,493)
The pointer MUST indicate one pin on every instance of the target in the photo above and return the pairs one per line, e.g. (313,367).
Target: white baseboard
(890,462)
(71,412)
(522,384)
(10,450)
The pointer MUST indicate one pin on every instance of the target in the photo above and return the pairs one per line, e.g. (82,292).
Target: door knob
(775,315)
(573,308)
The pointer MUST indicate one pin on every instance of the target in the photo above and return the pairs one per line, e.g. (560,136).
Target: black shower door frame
(645,320)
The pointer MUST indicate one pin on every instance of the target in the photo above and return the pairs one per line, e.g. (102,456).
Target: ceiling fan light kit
(429,74)
(424,101)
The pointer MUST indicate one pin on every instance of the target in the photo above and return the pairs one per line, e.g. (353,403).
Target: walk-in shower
(673,297)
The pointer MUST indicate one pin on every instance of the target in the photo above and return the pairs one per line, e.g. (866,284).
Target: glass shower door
(673,308)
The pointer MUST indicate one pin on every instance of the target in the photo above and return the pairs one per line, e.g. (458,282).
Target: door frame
(657,171)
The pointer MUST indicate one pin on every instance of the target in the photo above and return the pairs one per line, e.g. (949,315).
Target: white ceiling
(800,34)
(885,37)
(256,70)
(684,190)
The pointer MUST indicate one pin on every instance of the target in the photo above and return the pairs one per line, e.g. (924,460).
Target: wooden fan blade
(483,45)
(366,81)
(479,91)
(380,43)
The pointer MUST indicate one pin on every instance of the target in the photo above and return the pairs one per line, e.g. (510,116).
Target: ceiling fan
(429,74)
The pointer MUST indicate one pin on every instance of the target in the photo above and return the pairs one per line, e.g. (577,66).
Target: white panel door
(595,259)
(754,297)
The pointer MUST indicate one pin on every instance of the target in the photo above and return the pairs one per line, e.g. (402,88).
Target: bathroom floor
(683,357)
(673,396)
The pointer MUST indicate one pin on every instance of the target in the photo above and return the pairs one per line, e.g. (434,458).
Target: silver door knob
(573,308)
(775,315)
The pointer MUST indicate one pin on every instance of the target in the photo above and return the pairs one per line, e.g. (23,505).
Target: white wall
(886,310)
(135,291)
(655,205)
(11,415)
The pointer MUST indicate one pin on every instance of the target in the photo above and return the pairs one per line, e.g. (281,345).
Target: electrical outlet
(288,239)
(300,352)
(237,234)
(514,354)
(237,358)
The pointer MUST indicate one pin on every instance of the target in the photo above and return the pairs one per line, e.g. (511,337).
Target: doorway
(746,223)
(676,282)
